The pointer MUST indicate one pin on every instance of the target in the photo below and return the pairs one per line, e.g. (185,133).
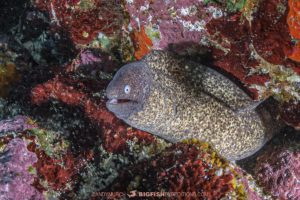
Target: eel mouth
(122,108)
(120,101)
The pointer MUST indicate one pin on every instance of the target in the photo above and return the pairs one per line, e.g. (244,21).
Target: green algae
(235,5)
(115,44)
(86,5)
(141,151)
(152,33)
(32,170)
(231,5)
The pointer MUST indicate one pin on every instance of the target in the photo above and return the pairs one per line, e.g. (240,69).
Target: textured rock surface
(169,22)
(15,179)
(84,19)
(190,167)
(16,124)
(278,171)
(56,58)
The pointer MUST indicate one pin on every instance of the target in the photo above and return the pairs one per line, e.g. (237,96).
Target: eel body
(177,99)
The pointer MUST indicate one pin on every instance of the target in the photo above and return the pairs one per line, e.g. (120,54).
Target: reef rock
(189,168)
(278,171)
(15,178)
(16,124)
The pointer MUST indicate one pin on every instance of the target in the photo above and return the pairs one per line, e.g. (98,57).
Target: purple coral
(278,170)
(17,124)
(15,180)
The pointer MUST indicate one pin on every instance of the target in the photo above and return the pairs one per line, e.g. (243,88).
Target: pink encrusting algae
(278,171)
(254,42)
(16,180)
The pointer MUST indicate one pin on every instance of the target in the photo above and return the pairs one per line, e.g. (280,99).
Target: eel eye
(127,89)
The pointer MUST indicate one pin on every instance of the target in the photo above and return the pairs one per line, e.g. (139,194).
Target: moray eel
(177,99)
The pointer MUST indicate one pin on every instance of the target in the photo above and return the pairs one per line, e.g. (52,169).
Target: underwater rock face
(255,41)
(47,47)
(290,113)
(76,92)
(84,19)
(65,54)
(53,168)
(15,179)
(192,167)
(278,171)
(260,51)
(16,124)
(256,51)
(10,12)
(8,66)
(115,133)
(170,22)
(91,61)
(57,174)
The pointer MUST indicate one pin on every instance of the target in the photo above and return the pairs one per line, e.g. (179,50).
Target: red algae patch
(191,168)
(84,19)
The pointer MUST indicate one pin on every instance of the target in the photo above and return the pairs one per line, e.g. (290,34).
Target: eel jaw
(119,101)
(122,108)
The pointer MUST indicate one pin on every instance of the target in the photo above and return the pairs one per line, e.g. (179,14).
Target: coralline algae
(257,52)
(192,167)
(256,55)
(15,179)
(232,30)
(290,113)
(16,124)
(170,22)
(84,19)
(278,171)
(254,41)
(116,136)
(114,132)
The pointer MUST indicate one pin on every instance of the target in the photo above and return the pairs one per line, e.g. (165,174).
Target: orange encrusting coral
(142,43)
(295,55)
(293,21)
